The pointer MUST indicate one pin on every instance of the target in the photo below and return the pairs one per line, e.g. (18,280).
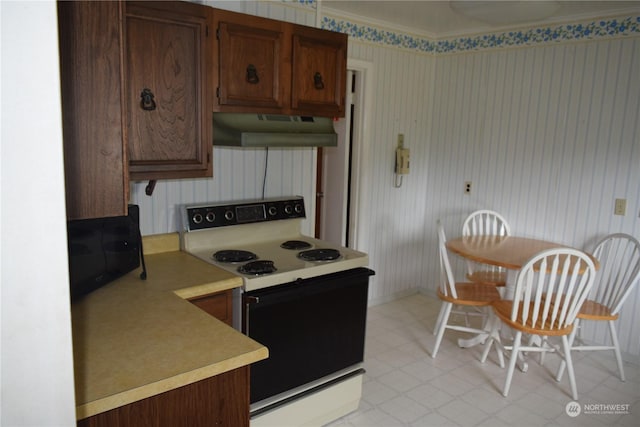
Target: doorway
(338,182)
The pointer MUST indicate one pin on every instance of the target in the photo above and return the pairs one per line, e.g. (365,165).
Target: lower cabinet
(222,400)
(218,305)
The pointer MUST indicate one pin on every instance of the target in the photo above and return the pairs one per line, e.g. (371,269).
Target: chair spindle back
(551,287)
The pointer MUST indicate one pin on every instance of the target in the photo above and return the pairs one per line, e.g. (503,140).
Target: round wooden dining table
(509,252)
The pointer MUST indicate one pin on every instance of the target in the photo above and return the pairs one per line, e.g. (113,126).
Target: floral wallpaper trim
(312,3)
(597,29)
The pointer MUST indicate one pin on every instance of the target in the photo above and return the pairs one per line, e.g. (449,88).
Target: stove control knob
(197,218)
(288,209)
(273,210)
(298,208)
(228,215)
(210,217)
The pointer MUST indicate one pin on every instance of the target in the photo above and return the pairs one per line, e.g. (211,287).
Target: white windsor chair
(619,257)
(488,223)
(550,290)
(463,294)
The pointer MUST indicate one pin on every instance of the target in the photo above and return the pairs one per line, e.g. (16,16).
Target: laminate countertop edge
(133,338)
(149,390)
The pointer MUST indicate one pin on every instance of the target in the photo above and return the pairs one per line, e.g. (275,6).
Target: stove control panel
(220,215)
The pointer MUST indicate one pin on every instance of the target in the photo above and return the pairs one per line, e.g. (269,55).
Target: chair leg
(616,348)
(441,327)
(570,373)
(500,351)
(572,337)
(439,319)
(512,362)
(543,344)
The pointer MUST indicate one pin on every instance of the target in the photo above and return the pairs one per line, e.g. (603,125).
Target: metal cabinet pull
(147,103)
(252,74)
(317,81)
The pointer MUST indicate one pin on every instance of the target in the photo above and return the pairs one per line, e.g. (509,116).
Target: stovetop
(265,227)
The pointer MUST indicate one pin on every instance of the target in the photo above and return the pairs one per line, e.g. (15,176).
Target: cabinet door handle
(252,74)
(147,103)
(317,81)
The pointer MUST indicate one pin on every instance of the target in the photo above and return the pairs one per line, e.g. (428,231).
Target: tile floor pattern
(404,386)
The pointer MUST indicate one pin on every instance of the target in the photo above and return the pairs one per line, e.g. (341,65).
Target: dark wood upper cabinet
(252,61)
(319,64)
(269,66)
(95,158)
(111,53)
(140,81)
(168,55)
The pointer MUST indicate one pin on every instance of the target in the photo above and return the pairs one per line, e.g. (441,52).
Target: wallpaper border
(590,30)
(578,31)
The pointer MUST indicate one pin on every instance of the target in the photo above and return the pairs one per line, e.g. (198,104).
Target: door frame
(359,150)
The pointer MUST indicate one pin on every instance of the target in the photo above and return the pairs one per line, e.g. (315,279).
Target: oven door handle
(248,300)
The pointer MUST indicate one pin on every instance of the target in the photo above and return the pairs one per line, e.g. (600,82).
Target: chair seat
(503,309)
(592,310)
(489,277)
(472,294)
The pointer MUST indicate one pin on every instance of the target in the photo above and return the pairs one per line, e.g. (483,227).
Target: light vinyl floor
(404,386)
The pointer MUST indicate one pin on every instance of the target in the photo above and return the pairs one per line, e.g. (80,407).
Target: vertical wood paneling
(552,141)
(395,216)
(549,136)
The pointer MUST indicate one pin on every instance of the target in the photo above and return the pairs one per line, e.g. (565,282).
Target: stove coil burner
(295,245)
(233,256)
(319,255)
(257,268)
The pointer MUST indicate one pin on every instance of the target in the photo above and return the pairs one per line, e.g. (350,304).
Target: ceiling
(439,19)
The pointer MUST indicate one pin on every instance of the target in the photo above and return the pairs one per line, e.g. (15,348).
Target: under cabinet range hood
(272,130)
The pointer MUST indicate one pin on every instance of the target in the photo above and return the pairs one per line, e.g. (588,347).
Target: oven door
(312,328)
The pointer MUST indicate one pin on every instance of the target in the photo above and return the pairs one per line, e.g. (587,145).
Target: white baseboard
(388,298)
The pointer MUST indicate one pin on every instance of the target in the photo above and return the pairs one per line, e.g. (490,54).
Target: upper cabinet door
(319,71)
(251,64)
(269,66)
(95,158)
(167,89)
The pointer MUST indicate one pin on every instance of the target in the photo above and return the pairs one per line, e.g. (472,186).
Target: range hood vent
(271,130)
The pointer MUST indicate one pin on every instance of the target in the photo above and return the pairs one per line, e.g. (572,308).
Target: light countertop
(133,339)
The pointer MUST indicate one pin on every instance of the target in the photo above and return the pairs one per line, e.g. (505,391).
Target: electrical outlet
(467,187)
(400,140)
(620,207)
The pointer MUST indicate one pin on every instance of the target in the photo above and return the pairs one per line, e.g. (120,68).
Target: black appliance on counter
(102,250)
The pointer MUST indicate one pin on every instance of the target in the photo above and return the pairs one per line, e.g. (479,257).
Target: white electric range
(304,299)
